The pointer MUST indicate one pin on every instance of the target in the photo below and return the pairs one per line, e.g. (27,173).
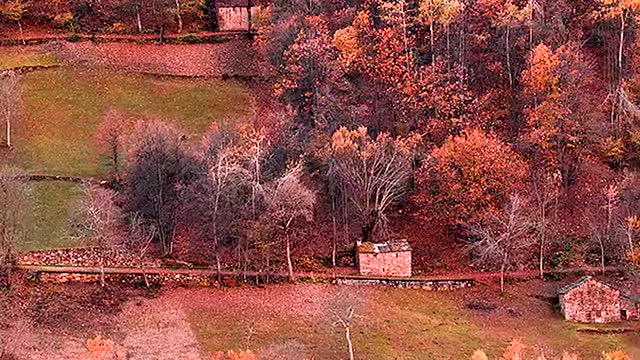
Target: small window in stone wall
(623,314)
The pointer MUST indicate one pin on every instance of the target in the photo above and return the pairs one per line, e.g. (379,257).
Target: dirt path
(477,276)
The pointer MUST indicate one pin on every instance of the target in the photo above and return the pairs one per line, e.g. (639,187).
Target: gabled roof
(386,247)
(239,3)
(565,289)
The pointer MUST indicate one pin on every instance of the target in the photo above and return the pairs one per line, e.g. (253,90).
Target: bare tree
(603,222)
(9,100)
(498,242)
(374,174)
(139,241)
(158,169)
(546,189)
(218,198)
(288,199)
(15,208)
(101,222)
(110,138)
(178,12)
(345,322)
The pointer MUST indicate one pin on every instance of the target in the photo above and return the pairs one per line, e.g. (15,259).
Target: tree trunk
(289,264)
(621,46)
(433,50)
(9,269)
(334,248)
(335,232)
(179,16)
(24,42)
(218,267)
(530,25)
(502,270)
(8,128)
(601,255)
(508,49)
(542,240)
(348,336)
(448,49)
(369,227)
(139,19)
(268,265)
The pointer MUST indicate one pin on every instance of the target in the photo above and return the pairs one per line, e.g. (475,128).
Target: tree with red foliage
(465,178)
(379,58)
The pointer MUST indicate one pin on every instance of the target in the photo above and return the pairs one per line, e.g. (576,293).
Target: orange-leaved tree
(559,110)
(469,177)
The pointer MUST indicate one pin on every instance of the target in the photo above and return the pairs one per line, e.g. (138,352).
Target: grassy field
(13,57)
(62,108)
(390,324)
(54,204)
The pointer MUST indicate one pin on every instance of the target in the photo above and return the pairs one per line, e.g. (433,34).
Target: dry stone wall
(431,285)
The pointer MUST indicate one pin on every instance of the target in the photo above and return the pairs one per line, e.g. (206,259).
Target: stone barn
(591,301)
(391,258)
(233,15)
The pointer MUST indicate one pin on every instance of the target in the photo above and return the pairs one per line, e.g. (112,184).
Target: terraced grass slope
(61,110)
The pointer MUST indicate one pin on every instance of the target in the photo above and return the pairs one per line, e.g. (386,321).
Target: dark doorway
(623,314)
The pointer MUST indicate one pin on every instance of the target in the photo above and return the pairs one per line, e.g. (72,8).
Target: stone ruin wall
(385,264)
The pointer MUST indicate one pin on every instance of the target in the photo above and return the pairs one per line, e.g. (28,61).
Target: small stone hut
(591,301)
(233,15)
(391,258)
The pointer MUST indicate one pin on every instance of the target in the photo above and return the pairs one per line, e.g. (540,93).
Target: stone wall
(631,308)
(385,264)
(154,279)
(431,285)
(591,302)
(237,18)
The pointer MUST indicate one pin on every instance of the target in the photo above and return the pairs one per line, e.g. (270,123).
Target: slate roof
(386,247)
(239,3)
(565,289)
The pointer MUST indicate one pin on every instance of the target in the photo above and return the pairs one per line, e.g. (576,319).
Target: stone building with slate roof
(391,258)
(591,301)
